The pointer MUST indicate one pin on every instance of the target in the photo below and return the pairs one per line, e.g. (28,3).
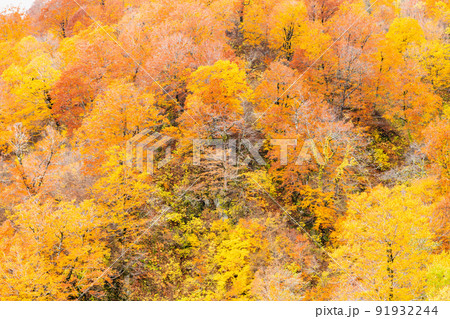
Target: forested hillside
(306,146)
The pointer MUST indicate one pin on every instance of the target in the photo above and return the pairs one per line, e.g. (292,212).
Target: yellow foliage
(28,82)
(55,253)
(438,277)
(384,243)
(403,32)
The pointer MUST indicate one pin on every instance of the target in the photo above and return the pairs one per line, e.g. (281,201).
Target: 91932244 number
(406,311)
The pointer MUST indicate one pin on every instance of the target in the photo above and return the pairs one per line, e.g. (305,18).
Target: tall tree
(383,246)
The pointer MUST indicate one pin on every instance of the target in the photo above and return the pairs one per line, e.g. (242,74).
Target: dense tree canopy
(321,129)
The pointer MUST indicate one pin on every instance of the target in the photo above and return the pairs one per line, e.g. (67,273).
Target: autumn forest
(303,150)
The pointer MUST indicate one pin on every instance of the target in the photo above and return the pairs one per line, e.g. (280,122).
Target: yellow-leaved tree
(215,105)
(27,83)
(438,277)
(384,243)
(53,251)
